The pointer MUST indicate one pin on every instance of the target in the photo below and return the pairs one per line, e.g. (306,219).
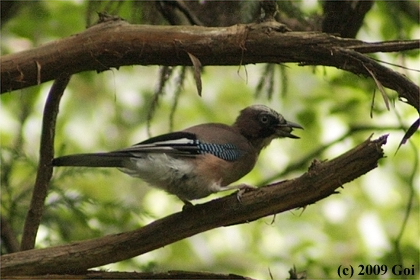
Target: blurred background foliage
(374,220)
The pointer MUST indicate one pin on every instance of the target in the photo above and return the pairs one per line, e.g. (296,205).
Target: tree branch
(300,163)
(355,62)
(188,275)
(322,180)
(45,168)
(8,237)
(118,43)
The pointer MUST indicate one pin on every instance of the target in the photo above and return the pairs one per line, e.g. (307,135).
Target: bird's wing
(179,143)
(184,144)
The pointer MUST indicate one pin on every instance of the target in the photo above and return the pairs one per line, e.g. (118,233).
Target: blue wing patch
(227,152)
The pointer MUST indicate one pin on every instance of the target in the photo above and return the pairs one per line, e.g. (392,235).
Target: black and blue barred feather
(187,143)
(227,152)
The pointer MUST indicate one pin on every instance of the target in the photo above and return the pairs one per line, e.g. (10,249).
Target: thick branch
(188,275)
(322,179)
(118,43)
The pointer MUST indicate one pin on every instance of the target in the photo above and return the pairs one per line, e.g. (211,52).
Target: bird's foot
(243,189)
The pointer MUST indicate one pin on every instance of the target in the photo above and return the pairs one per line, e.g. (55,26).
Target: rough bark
(117,43)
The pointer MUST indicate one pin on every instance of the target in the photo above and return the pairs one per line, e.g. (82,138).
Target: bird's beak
(283,130)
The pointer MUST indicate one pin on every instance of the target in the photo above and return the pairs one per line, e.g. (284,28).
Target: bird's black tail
(92,160)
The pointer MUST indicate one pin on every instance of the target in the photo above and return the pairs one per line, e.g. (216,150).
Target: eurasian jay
(197,161)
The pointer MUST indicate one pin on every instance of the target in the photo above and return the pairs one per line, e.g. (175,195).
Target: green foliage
(374,220)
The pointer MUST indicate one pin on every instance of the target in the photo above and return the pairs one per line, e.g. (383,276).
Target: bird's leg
(186,205)
(242,188)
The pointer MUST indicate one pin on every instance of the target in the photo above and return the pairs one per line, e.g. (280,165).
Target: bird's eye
(264,119)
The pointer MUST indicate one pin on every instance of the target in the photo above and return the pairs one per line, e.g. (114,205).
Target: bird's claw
(243,189)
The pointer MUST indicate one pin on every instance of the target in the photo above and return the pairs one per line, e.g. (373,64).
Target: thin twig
(36,209)
(179,88)
(192,18)
(410,199)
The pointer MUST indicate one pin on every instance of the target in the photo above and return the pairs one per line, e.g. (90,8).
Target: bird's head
(261,124)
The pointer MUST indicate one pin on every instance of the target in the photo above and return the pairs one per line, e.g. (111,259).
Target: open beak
(285,129)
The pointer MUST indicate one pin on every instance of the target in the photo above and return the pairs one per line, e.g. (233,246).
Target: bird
(197,161)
